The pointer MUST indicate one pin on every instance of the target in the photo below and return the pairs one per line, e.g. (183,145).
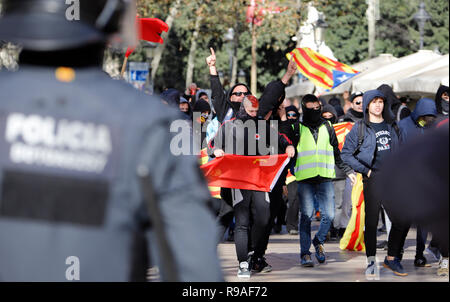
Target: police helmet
(53,25)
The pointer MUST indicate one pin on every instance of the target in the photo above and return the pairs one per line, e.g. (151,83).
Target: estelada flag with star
(319,69)
(258,173)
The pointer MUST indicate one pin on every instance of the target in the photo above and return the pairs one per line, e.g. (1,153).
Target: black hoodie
(221,100)
(394,103)
(438,99)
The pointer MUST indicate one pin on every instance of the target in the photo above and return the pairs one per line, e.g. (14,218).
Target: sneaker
(320,253)
(293,232)
(395,266)
(243,271)
(306,261)
(434,251)
(383,245)
(372,271)
(260,265)
(421,261)
(443,267)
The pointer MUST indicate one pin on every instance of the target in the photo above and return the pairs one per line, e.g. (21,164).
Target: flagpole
(124,66)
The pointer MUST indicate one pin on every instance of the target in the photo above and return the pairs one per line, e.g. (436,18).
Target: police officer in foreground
(88,186)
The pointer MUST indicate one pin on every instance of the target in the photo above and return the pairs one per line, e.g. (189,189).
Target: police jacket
(72,206)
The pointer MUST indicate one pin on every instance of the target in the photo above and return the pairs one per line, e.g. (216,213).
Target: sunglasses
(291,114)
(240,93)
(358,103)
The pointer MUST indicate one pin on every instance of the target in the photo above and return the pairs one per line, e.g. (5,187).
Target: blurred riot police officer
(88,185)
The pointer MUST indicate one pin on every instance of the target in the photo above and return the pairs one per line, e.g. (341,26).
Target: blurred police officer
(88,185)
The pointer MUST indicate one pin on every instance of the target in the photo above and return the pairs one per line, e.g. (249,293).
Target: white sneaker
(243,271)
(372,270)
(443,267)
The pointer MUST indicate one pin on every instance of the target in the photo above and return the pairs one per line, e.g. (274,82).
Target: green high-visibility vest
(314,159)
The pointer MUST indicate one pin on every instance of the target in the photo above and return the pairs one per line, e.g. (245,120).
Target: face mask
(331,120)
(444,105)
(236,106)
(311,116)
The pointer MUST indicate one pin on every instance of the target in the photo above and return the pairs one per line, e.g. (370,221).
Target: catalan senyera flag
(258,173)
(353,238)
(342,129)
(215,191)
(319,69)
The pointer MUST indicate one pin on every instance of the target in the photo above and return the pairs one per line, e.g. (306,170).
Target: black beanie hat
(308,98)
(201,106)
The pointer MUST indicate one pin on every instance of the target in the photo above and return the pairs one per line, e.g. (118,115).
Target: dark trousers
(276,205)
(293,207)
(398,232)
(252,215)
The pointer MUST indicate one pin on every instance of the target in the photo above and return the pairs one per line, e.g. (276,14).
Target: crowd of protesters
(317,182)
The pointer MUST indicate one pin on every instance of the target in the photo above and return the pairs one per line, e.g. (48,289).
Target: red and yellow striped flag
(320,70)
(353,238)
(342,129)
(215,191)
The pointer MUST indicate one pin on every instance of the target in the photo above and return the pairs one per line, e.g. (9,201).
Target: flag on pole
(149,29)
(353,238)
(342,129)
(245,172)
(319,69)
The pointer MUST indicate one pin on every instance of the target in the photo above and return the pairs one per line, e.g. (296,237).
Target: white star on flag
(343,78)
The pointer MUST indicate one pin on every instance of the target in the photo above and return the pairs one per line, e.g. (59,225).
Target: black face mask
(312,117)
(331,120)
(236,106)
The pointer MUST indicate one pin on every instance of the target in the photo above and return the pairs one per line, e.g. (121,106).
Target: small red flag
(258,173)
(149,29)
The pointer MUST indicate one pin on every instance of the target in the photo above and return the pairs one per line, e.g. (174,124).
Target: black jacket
(220,99)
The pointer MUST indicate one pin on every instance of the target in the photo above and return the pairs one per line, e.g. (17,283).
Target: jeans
(324,194)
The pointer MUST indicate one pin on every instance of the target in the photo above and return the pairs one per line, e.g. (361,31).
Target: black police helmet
(52,25)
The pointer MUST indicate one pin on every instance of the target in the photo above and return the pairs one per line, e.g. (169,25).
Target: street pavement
(340,266)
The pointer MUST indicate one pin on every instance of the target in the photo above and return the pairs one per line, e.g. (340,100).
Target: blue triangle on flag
(340,77)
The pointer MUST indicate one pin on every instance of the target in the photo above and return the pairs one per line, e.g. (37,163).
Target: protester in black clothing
(252,208)
(341,210)
(414,183)
(399,111)
(292,116)
(441,99)
(226,104)
(355,113)
(336,103)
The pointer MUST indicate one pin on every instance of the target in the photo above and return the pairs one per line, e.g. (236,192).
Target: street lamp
(319,28)
(421,17)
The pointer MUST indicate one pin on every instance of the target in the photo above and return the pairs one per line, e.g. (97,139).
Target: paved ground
(283,255)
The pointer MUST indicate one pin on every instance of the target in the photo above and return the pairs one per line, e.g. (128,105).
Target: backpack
(362,132)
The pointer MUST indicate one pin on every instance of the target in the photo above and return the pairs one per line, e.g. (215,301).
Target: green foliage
(347,35)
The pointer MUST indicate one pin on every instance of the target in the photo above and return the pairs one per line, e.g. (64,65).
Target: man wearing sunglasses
(226,104)
(355,113)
